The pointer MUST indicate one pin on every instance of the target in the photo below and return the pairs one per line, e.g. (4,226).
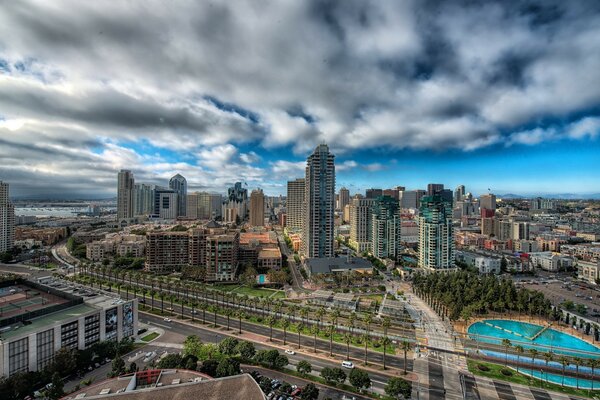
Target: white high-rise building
(143,199)
(7,219)
(295,204)
(168,205)
(385,228)
(319,204)
(125,184)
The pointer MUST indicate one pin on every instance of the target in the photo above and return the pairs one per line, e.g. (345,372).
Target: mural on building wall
(111,323)
(127,319)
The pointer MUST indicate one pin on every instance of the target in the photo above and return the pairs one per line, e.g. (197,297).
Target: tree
(246,350)
(310,392)
(405,346)
(519,349)
(227,367)
(118,367)
(55,391)
(228,346)
(271,322)
(397,387)
(593,363)
(192,345)
(359,379)
(65,361)
(507,344)
(564,361)
(333,375)
(304,367)
(285,325)
(548,357)
(347,340)
(314,330)
(299,327)
(170,361)
(386,324)
(209,367)
(133,367)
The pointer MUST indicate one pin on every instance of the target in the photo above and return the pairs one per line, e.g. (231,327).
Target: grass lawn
(150,336)
(259,292)
(495,373)
(378,297)
(225,288)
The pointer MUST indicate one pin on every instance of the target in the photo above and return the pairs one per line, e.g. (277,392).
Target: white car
(347,364)
(290,352)
(167,319)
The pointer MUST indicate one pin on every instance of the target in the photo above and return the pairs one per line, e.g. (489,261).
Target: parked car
(347,364)
(167,319)
(290,352)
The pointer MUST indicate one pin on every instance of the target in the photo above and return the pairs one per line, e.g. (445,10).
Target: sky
(493,95)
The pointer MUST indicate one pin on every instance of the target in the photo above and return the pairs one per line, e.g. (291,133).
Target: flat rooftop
(20,298)
(337,264)
(174,385)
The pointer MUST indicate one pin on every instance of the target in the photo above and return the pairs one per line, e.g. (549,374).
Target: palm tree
(203,307)
(228,315)
(507,344)
(214,308)
(240,314)
(365,336)
(548,357)
(347,340)
(386,324)
(533,353)
(352,320)
(519,349)
(300,327)
(314,329)
(285,324)
(593,363)
(271,322)
(564,362)
(330,332)
(578,362)
(405,345)
(304,314)
(320,313)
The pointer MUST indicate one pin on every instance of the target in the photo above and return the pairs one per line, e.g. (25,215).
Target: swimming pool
(530,336)
(261,279)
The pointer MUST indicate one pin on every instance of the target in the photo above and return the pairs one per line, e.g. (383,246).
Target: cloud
(207,80)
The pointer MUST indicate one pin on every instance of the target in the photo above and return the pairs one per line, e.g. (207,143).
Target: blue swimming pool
(560,380)
(529,336)
(261,279)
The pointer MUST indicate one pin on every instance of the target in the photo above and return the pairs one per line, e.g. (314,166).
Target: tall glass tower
(436,241)
(179,185)
(385,227)
(319,203)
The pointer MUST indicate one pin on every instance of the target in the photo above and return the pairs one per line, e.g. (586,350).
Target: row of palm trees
(269,309)
(549,356)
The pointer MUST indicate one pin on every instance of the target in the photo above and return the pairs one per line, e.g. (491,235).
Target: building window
(45,348)
(18,356)
(68,335)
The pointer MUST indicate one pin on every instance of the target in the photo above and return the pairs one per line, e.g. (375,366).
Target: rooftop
(269,253)
(337,264)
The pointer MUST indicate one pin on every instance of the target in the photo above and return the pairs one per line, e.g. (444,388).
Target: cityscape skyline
(490,96)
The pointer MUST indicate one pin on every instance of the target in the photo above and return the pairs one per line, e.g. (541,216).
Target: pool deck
(558,326)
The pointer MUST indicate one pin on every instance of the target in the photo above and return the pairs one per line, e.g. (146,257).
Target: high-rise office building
(203,205)
(410,198)
(179,185)
(385,227)
(125,183)
(7,219)
(434,188)
(394,193)
(343,198)
(295,204)
(257,208)
(459,193)
(236,205)
(222,256)
(360,223)
(168,205)
(319,204)
(436,242)
(487,201)
(143,199)
(373,193)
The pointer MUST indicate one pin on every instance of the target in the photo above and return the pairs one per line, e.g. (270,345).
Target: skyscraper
(373,193)
(295,204)
(459,193)
(436,242)
(360,223)
(168,205)
(7,219)
(236,204)
(319,203)
(385,227)
(487,201)
(257,208)
(434,188)
(143,199)
(179,185)
(344,198)
(125,183)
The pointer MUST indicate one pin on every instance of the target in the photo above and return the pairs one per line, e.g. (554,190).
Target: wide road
(209,336)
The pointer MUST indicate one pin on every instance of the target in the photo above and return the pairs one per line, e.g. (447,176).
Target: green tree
(227,367)
(304,367)
(406,346)
(520,350)
(228,346)
(359,379)
(507,344)
(246,350)
(192,345)
(397,387)
(170,361)
(56,391)
(118,367)
(314,329)
(310,392)
(347,340)
(285,325)
(333,375)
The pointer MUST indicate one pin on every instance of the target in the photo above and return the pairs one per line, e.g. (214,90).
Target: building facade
(125,186)
(319,204)
(436,241)
(222,253)
(343,198)
(7,219)
(168,205)
(385,228)
(360,224)
(257,208)
(295,204)
(179,185)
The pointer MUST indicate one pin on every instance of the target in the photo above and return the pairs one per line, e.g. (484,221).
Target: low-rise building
(269,258)
(48,236)
(332,265)
(588,271)
(484,264)
(116,245)
(550,261)
(38,319)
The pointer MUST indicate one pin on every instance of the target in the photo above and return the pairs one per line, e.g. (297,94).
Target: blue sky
(499,95)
